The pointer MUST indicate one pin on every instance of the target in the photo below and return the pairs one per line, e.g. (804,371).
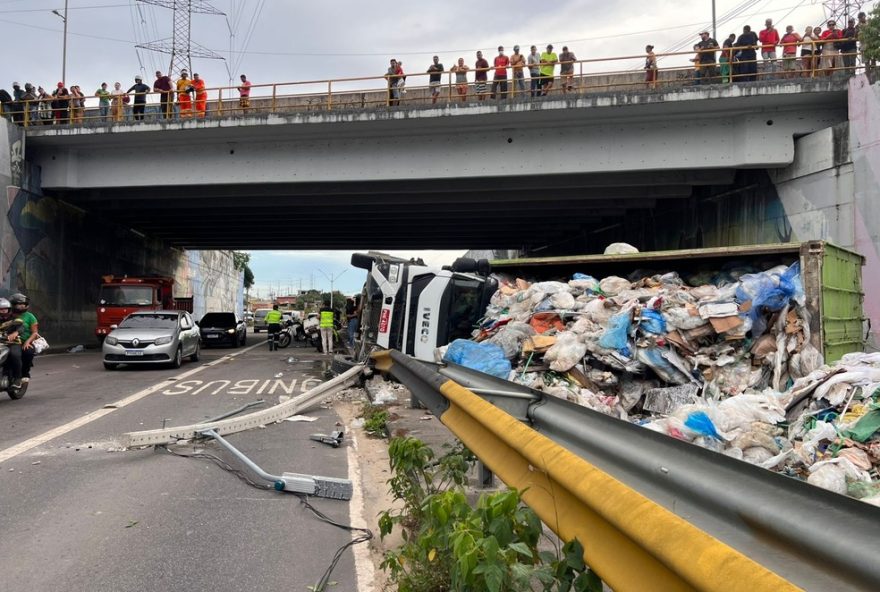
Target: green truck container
(831,275)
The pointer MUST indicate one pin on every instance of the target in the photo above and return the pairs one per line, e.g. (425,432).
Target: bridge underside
(511,212)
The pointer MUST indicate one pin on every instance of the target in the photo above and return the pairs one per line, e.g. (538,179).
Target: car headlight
(110,340)
(230,331)
(163,340)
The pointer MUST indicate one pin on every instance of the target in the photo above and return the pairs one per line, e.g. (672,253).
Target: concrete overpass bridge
(679,167)
(517,174)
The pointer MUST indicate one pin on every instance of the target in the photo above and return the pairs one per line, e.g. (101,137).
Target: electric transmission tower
(181,46)
(841,10)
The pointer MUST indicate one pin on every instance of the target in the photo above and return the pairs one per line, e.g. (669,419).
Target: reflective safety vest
(326,319)
(273,317)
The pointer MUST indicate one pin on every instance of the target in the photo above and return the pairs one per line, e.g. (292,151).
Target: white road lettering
(225,383)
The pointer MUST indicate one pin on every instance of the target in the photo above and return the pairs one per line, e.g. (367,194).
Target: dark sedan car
(222,328)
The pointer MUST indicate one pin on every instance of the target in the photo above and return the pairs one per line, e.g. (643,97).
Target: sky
(290,41)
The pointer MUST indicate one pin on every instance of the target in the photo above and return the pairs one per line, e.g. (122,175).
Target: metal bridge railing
(624,74)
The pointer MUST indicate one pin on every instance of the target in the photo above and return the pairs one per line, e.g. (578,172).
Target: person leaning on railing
(103,101)
(726,59)
(790,42)
(746,66)
(848,47)
(163,86)
(808,50)
(650,67)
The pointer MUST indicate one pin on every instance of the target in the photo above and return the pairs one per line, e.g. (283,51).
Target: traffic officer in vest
(273,322)
(327,318)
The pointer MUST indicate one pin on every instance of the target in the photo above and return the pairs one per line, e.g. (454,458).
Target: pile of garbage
(726,361)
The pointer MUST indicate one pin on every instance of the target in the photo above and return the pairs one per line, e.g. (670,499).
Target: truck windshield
(464,308)
(149,321)
(126,295)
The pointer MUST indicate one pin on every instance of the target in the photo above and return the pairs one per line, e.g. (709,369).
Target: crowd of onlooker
(817,52)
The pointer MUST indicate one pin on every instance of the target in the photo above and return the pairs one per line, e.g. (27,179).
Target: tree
(869,37)
(240,261)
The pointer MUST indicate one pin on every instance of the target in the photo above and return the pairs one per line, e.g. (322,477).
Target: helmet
(4,303)
(19,298)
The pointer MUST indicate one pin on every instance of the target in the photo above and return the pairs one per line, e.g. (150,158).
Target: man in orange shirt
(184,99)
(201,96)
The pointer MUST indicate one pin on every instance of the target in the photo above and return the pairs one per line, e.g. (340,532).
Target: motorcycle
(292,331)
(6,380)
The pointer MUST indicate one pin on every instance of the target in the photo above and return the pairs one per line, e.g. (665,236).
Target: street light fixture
(332,279)
(63,17)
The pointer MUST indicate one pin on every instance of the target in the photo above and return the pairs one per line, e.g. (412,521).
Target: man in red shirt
(769,38)
(500,78)
(244,94)
(790,43)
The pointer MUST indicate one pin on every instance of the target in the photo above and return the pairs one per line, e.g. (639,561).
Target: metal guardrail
(667,509)
(594,75)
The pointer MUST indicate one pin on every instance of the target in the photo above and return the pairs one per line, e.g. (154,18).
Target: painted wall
(56,254)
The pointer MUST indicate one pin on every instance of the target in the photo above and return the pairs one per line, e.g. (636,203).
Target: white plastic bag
(566,352)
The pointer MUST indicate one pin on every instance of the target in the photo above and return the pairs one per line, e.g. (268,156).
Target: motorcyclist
(28,333)
(10,336)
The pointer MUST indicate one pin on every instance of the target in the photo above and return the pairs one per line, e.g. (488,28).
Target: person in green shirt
(28,332)
(548,64)
(103,100)
(273,326)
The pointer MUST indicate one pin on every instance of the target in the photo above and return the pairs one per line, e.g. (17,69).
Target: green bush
(451,546)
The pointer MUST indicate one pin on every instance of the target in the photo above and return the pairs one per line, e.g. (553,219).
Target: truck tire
(342,363)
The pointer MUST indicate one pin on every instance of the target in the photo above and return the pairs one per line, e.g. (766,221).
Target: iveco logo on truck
(425,330)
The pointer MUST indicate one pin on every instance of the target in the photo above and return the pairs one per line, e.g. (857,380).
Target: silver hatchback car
(152,337)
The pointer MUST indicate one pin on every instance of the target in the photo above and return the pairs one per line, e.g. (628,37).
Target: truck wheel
(178,358)
(110,366)
(342,363)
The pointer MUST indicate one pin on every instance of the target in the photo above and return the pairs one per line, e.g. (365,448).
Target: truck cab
(122,295)
(415,308)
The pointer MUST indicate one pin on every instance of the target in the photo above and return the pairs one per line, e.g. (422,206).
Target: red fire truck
(122,295)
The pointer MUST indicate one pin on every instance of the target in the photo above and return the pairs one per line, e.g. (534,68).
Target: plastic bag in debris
(482,357)
(549,288)
(562,301)
(616,335)
(584,283)
(566,352)
(620,249)
(822,432)
(652,321)
(830,477)
(770,290)
(613,285)
(681,318)
(700,423)
(741,411)
(667,364)
(632,389)
(510,337)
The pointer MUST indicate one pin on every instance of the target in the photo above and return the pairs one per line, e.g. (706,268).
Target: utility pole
(64,44)
(332,279)
(181,46)
(714,24)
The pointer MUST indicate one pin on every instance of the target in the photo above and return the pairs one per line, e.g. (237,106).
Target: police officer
(273,322)
(327,318)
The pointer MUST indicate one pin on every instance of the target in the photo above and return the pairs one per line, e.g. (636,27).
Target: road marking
(363,564)
(22,447)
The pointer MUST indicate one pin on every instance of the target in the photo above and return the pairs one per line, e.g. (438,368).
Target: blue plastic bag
(769,292)
(653,322)
(616,335)
(699,422)
(482,357)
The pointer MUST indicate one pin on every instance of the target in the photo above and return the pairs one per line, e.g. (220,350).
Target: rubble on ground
(725,361)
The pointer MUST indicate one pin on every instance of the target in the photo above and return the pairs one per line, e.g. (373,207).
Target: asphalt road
(79,513)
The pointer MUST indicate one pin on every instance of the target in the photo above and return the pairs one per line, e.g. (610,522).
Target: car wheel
(178,358)
(195,355)
(110,366)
